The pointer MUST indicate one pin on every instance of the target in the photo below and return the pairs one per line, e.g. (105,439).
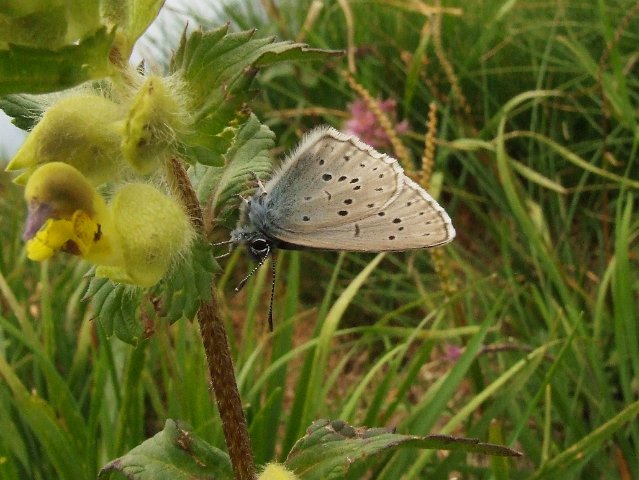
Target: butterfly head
(249,232)
(260,248)
(258,245)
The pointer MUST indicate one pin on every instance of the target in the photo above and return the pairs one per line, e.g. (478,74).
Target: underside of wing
(332,179)
(412,220)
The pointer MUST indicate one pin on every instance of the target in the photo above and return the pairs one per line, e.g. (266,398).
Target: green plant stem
(218,354)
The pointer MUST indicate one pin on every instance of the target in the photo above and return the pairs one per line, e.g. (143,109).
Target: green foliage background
(539,168)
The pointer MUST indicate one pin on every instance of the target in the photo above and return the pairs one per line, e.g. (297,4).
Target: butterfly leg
(259,183)
(225,242)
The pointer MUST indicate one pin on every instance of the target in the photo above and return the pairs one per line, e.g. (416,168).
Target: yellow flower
(135,239)
(72,236)
(65,214)
(82,130)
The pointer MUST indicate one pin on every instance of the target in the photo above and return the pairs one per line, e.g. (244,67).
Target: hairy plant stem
(216,346)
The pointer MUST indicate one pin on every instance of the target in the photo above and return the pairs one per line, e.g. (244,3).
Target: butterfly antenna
(255,269)
(270,305)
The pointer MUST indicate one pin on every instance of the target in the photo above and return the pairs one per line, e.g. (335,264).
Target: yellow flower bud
(153,231)
(157,117)
(81,130)
(277,471)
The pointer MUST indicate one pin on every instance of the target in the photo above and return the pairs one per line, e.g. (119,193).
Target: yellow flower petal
(75,236)
(49,239)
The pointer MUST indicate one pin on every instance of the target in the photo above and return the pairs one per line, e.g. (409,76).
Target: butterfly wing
(412,220)
(330,179)
(337,193)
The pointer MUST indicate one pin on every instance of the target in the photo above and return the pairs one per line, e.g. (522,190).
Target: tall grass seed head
(80,130)
(157,118)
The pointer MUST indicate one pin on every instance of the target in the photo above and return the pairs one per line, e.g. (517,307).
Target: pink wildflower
(453,352)
(364,124)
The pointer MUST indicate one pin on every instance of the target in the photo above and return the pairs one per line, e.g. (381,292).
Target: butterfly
(335,192)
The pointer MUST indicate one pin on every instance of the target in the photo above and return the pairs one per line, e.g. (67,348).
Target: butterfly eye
(260,247)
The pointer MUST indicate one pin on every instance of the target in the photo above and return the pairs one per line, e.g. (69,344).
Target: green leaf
(172,454)
(45,423)
(611,85)
(116,307)
(329,448)
(47,24)
(25,69)
(133,17)
(579,452)
(97,292)
(248,156)
(188,284)
(290,51)
(218,68)
(500,467)
(44,27)
(25,110)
